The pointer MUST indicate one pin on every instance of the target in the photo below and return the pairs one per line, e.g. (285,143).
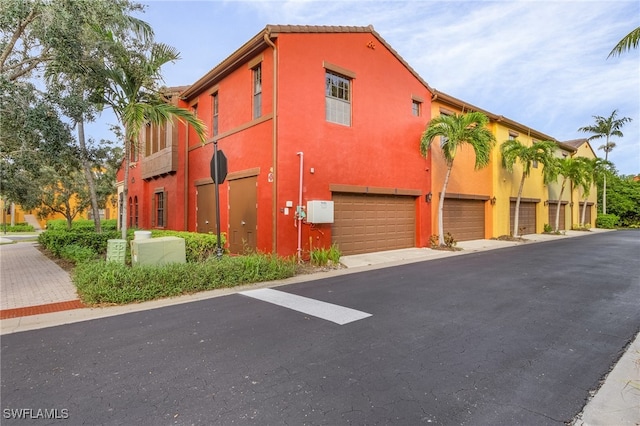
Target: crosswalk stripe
(327,311)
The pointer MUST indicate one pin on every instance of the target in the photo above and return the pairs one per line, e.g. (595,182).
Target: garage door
(587,214)
(364,223)
(552,216)
(464,219)
(527,219)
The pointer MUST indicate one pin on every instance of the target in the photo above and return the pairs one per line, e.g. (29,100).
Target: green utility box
(158,251)
(116,250)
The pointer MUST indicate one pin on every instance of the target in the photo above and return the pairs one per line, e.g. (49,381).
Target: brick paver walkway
(31,284)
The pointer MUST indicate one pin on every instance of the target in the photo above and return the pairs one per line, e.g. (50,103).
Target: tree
(571,170)
(61,38)
(593,170)
(456,131)
(628,42)
(132,92)
(515,151)
(35,33)
(605,127)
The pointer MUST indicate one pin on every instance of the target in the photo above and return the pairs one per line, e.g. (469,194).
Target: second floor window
(214,124)
(338,99)
(415,108)
(257,91)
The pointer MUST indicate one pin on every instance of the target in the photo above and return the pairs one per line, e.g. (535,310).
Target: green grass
(101,282)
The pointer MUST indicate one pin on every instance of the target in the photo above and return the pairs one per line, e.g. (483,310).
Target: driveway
(518,335)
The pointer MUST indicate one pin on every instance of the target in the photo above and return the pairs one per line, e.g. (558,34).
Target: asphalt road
(511,336)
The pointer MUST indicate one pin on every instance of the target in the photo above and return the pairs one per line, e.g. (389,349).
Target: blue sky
(541,63)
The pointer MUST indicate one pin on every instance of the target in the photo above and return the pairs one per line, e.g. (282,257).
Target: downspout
(274,146)
(186,178)
(299,208)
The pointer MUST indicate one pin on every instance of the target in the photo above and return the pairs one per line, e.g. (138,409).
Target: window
(338,99)
(214,126)
(120,207)
(135,211)
(159,215)
(257,91)
(416,107)
(130,212)
(155,138)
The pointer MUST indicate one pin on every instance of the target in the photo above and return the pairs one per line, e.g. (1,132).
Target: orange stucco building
(319,118)
(316,120)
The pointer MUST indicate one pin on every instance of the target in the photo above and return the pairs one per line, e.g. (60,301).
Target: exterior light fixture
(428,197)
(493,201)
(546,203)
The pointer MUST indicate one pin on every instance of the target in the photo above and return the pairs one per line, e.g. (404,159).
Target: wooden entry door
(206,208)
(243,214)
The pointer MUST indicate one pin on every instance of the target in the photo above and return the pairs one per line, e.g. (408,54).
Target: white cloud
(541,63)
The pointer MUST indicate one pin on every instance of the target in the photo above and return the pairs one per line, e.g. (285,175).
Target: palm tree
(456,131)
(131,91)
(628,42)
(515,151)
(593,168)
(605,127)
(571,170)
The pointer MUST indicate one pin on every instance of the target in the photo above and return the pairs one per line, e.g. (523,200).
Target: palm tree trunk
(564,182)
(604,195)
(584,212)
(604,186)
(86,168)
(125,188)
(441,207)
(516,220)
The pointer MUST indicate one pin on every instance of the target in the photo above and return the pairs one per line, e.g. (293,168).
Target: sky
(541,63)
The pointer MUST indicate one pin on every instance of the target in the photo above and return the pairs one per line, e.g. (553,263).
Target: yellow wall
(585,150)
(464,179)
(506,186)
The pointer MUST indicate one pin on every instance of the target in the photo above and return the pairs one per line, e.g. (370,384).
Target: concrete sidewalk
(37,293)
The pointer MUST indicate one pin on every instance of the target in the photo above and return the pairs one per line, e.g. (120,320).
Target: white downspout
(299,208)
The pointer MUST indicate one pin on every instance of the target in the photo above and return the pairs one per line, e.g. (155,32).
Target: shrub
(547,228)
(449,241)
(77,254)
(82,225)
(607,221)
(18,227)
(55,240)
(323,256)
(111,282)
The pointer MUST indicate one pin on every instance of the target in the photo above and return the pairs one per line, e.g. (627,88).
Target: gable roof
(259,42)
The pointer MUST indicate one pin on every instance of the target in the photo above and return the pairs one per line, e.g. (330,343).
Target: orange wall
(379,149)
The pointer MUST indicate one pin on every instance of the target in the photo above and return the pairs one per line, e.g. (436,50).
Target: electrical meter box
(319,211)
(116,250)
(158,251)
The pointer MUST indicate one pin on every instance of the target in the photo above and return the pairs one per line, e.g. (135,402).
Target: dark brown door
(553,207)
(206,208)
(587,214)
(464,219)
(365,223)
(243,214)
(527,219)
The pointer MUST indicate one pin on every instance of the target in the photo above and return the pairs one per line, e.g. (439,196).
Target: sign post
(218,174)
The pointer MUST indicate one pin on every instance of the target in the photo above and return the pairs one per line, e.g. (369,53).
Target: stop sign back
(221,160)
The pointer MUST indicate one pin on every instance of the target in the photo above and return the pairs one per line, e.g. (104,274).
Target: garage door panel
(464,219)
(374,223)
(553,208)
(527,219)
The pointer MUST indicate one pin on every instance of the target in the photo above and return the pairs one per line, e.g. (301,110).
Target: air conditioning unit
(319,211)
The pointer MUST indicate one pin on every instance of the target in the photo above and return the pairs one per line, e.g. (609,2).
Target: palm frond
(628,42)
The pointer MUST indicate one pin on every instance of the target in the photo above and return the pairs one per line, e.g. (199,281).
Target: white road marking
(327,311)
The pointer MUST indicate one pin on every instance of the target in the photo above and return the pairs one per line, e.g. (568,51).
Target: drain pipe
(299,208)
(274,145)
